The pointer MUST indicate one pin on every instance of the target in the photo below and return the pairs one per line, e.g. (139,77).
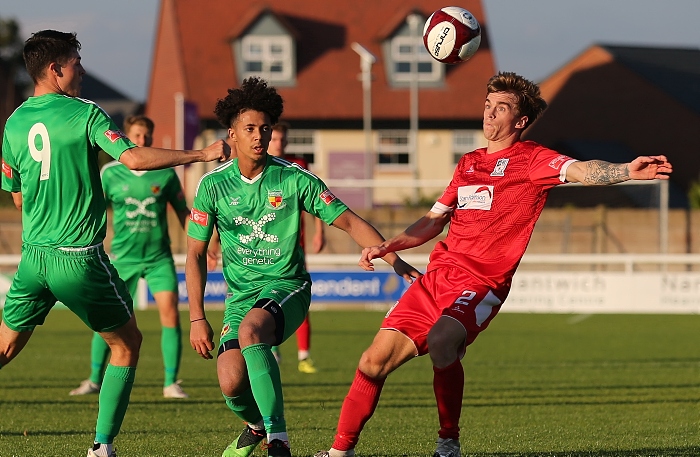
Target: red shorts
(450,292)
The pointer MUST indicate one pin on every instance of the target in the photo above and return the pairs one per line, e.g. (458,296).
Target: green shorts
(293,297)
(82,279)
(160,275)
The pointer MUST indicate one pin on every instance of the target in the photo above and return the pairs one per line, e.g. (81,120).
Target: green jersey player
(141,249)
(49,163)
(255,202)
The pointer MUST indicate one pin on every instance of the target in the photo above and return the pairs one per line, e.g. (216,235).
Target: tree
(10,65)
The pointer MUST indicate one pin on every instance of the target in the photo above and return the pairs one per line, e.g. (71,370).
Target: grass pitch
(536,385)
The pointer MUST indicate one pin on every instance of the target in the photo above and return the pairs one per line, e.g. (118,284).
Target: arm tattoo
(600,173)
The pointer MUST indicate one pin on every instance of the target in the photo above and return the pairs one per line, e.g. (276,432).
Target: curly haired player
(255,202)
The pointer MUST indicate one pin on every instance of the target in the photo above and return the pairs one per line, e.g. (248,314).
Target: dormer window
(266,49)
(269,57)
(406,55)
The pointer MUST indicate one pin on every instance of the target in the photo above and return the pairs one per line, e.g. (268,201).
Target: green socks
(266,385)
(99,353)
(171,347)
(244,407)
(114,399)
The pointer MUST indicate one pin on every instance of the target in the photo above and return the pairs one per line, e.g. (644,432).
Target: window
(301,144)
(463,141)
(394,147)
(403,49)
(269,57)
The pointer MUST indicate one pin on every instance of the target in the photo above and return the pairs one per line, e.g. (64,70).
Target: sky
(533,38)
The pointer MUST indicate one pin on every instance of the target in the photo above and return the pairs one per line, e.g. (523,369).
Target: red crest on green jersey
(6,170)
(275,198)
(114,135)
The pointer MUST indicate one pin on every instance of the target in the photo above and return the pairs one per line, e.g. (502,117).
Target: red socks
(304,335)
(448,384)
(358,407)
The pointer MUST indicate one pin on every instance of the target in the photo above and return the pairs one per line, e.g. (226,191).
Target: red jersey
(495,200)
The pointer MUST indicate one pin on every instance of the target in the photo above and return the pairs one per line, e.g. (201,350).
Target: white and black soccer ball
(451,35)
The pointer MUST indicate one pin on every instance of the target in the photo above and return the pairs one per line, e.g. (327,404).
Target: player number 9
(42,156)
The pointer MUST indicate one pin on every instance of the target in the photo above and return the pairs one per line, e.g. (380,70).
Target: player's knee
(129,343)
(444,347)
(374,364)
(248,334)
(233,387)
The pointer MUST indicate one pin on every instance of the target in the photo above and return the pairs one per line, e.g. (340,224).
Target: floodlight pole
(413,21)
(367,59)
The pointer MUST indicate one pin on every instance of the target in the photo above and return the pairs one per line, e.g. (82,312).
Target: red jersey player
(278,144)
(492,203)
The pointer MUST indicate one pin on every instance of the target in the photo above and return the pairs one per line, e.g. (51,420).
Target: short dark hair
(254,94)
(45,47)
(530,102)
(138,119)
(281,126)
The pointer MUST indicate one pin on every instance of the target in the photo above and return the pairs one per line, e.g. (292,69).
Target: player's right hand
(370,253)
(202,338)
(219,150)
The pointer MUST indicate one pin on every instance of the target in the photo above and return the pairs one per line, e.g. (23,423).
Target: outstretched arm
(365,235)
(602,173)
(423,230)
(148,158)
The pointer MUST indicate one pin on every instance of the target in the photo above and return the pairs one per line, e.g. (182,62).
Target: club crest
(275,199)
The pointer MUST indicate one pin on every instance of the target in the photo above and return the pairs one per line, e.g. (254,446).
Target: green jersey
(258,221)
(49,154)
(139,202)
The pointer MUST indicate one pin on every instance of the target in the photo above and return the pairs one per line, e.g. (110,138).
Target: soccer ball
(451,35)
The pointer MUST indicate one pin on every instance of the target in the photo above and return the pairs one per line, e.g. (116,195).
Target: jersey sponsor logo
(475,197)
(114,135)
(257,228)
(141,207)
(235,201)
(500,168)
(557,162)
(327,197)
(199,217)
(276,199)
(6,170)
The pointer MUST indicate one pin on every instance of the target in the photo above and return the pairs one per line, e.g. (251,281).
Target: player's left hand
(202,338)
(650,167)
(212,259)
(408,272)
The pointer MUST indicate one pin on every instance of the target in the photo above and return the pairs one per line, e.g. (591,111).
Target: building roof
(618,102)
(676,71)
(194,56)
(113,102)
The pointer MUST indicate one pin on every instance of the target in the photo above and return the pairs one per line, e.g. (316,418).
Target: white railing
(590,283)
(630,262)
